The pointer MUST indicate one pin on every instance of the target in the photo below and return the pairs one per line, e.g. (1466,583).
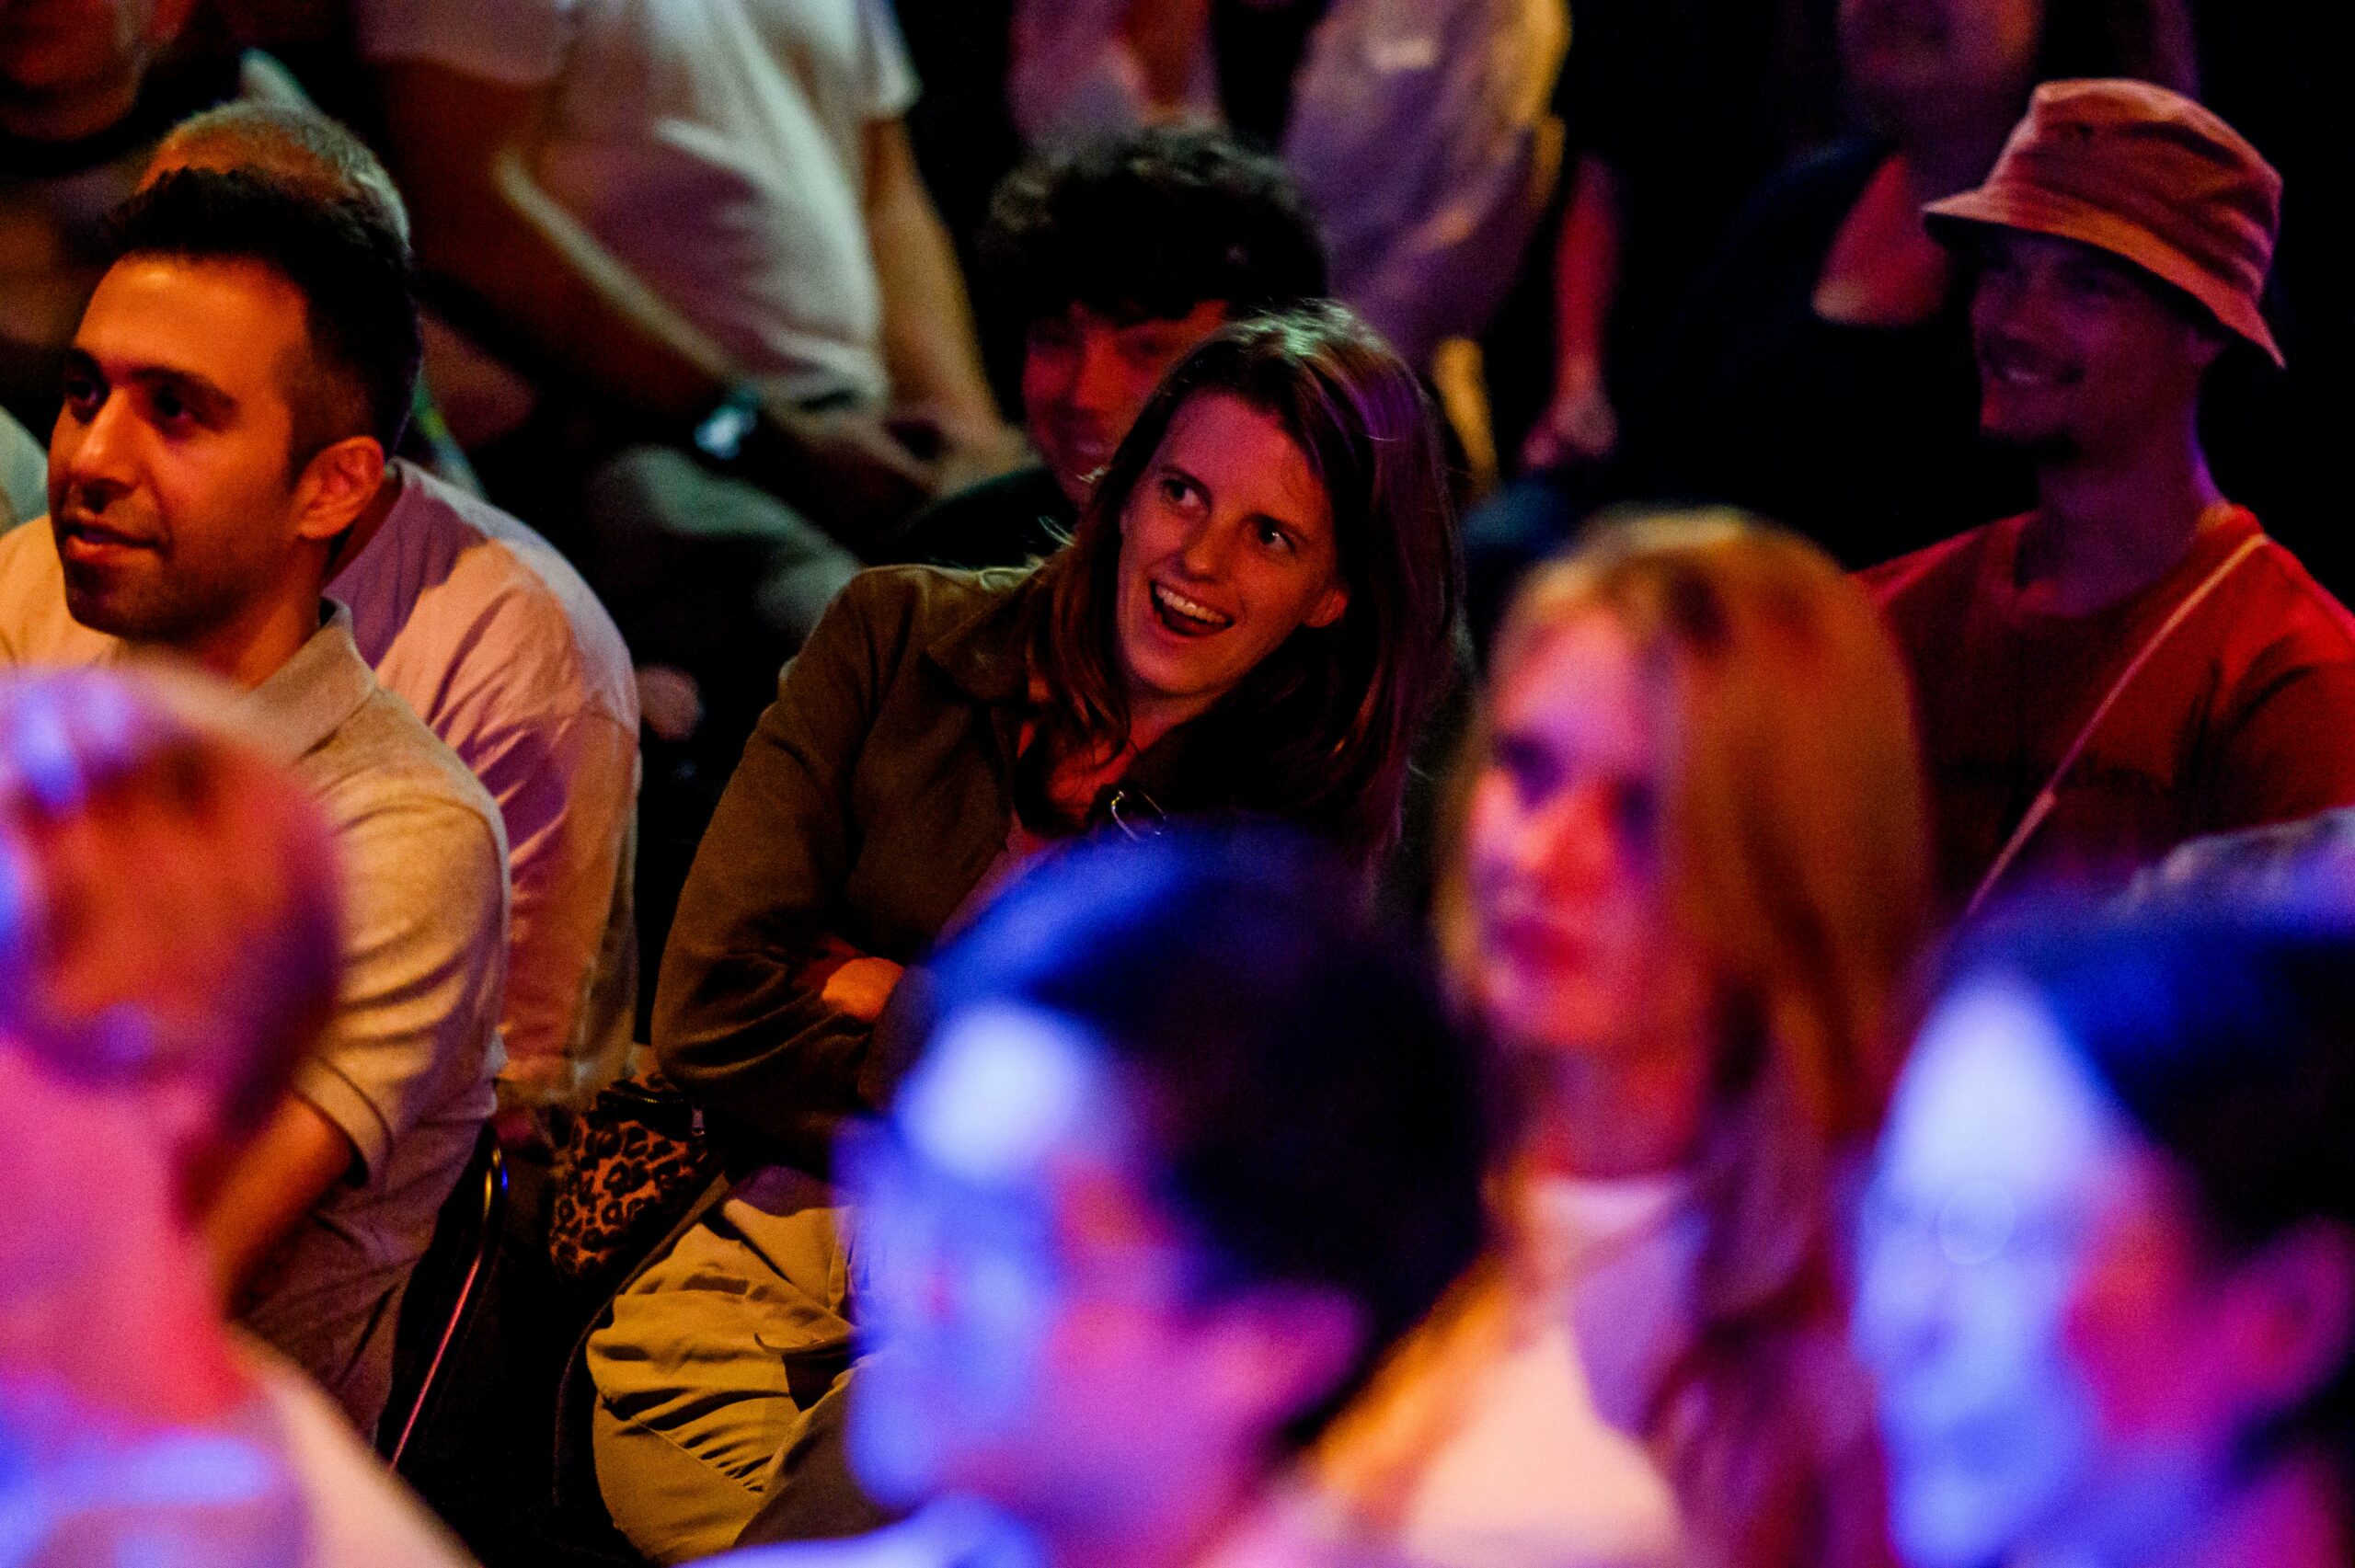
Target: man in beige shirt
(243,368)
(477,623)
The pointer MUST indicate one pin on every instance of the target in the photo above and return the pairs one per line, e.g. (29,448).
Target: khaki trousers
(716,1359)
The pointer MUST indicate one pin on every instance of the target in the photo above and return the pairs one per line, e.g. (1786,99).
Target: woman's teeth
(1191,614)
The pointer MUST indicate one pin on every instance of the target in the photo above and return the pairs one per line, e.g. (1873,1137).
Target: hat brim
(2044,213)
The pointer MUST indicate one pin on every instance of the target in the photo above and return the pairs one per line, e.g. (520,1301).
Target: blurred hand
(862,987)
(1579,426)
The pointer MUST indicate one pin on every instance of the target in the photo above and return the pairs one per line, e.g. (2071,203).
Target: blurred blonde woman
(1693,873)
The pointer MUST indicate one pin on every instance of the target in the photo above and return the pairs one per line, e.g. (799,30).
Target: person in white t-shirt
(691,207)
(168,952)
(700,235)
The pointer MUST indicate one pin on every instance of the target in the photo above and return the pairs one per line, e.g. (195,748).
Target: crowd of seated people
(1842,1058)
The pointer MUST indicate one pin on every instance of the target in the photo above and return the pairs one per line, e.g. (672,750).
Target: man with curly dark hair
(1113,262)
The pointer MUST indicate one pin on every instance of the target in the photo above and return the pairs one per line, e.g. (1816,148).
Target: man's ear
(336,487)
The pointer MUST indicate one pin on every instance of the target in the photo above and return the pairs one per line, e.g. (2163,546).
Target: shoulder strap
(2049,796)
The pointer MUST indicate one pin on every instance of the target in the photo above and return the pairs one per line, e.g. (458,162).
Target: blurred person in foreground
(1255,617)
(1694,872)
(169,953)
(231,396)
(2133,662)
(1104,317)
(2108,1272)
(1190,1144)
(470,617)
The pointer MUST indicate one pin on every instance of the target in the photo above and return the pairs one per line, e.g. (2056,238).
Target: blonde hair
(1793,849)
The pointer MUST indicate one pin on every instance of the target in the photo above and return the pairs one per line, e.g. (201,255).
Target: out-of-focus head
(243,368)
(2121,243)
(1190,1144)
(1119,257)
(299,147)
(1273,544)
(1919,66)
(75,66)
(168,949)
(2109,1262)
(1696,815)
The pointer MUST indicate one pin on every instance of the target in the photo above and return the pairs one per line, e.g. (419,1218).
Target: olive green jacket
(873,798)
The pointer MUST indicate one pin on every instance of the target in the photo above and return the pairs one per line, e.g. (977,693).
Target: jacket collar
(310,697)
(983,652)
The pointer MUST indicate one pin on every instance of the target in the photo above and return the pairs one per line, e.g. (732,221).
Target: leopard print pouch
(628,1170)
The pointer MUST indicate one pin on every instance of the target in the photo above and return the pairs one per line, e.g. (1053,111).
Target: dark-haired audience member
(168,957)
(2108,1274)
(2132,663)
(1116,260)
(472,619)
(1190,1144)
(230,397)
(1693,871)
(1422,135)
(1254,616)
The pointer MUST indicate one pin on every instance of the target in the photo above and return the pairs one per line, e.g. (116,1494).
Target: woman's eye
(1275,538)
(1177,490)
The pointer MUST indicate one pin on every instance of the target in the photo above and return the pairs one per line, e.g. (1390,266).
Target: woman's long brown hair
(1321,730)
(1795,849)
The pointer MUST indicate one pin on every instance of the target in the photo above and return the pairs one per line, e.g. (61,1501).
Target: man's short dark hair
(1310,1109)
(1148,226)
(352,271)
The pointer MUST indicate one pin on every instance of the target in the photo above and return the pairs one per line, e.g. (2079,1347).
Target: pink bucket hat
(2145,175)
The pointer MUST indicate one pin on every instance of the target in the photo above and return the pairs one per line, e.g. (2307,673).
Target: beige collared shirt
(407,1070)
(476,622)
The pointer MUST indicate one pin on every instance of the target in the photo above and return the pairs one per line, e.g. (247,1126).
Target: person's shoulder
(360,1516)
(2299,610)
(1008,521)
(1894,584)
(384,764)
(497,600)
(918,602)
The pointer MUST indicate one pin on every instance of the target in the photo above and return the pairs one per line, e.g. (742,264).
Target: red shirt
(2245,715)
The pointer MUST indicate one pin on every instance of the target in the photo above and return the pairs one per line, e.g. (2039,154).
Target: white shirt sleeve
(891,87)
(520,43)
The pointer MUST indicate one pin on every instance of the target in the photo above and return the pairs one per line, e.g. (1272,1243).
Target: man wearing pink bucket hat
(2134,662)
